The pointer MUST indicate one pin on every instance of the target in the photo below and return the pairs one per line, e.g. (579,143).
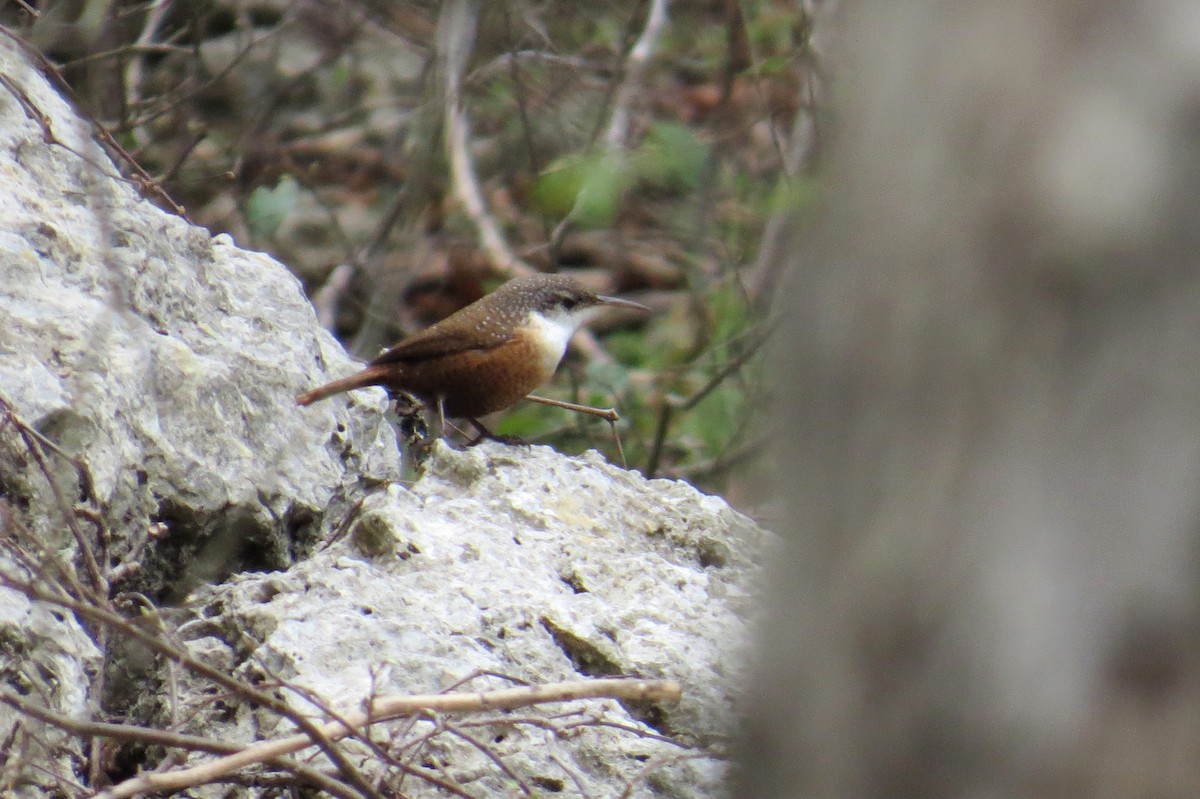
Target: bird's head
(558,305)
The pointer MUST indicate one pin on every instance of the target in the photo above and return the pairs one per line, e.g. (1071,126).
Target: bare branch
(119,732)
(388,708)
(133,72)
(456,38)
(608,414)
(635,70)
(32,441)
(157,643)
(630,87)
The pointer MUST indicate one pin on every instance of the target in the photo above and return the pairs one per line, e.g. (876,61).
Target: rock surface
(523,562)
(167,360)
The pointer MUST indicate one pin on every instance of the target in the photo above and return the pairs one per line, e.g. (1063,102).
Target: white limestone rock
(168,361)
(519,561)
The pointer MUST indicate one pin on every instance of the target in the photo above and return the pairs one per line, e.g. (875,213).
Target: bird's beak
(617,302)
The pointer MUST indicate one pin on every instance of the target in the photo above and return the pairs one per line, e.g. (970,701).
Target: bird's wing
(438,340)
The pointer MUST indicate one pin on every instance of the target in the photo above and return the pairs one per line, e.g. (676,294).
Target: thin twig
(150,735)
(665,411)
(141,180)
(456,39)
(634,72)
(33,444)
(327,299)
(133,71)
(658,763)
(671,405)
(609,414)
(570,772)
(312,697)
(487,752)
(708,470)
(118,732)
(510,59)
(387,708)
(799,155)
(520,95)
(733,366)
(447,781)
(125,50)
(108,618)
(615,135)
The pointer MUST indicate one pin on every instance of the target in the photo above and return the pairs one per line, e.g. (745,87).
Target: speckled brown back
(476,359)
(484,324)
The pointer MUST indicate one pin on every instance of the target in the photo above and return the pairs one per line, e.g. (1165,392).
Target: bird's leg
(481,432)
(486,435)
(441,409)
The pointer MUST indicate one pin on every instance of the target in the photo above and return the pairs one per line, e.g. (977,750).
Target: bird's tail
(371,376)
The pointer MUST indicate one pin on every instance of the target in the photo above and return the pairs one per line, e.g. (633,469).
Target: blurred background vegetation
(403,158)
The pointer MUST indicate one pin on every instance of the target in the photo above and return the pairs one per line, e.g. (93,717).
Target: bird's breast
(549,336)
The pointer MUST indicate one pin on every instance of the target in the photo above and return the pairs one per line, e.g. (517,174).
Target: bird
(487,356)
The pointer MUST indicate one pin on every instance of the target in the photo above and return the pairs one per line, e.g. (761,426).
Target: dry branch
(456,38)
(388,708)
(635,70)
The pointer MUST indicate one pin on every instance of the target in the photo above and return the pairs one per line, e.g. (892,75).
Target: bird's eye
(569,301)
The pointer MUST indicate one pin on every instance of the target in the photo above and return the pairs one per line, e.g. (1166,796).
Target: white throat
(555,330)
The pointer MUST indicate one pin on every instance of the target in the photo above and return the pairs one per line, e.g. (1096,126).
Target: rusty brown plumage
(486,356)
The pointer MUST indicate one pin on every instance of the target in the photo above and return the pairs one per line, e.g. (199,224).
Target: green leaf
(772,66)
(268,207)
(671,157)
(793,194)
(586,188)
(526,420)
(599,198)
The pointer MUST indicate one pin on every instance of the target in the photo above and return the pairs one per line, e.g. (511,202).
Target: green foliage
(726,313)
(632,348)
(528,420)
(713,410)
(587,188)
(590,188)
(773,30)
(775,65)
(671,157)
(794,194)
(266,208)
(711,424)
(679,207)
(693,374)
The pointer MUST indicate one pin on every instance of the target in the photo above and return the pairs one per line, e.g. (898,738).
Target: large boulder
(151,371)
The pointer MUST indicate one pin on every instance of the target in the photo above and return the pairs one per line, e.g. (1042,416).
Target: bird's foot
(503,439)
(487,435)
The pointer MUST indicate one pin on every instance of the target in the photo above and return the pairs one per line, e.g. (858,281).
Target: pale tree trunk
(992,383)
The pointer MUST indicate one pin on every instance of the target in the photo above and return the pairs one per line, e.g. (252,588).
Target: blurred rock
(991,585)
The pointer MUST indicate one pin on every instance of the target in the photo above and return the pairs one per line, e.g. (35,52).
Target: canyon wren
(488,355)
